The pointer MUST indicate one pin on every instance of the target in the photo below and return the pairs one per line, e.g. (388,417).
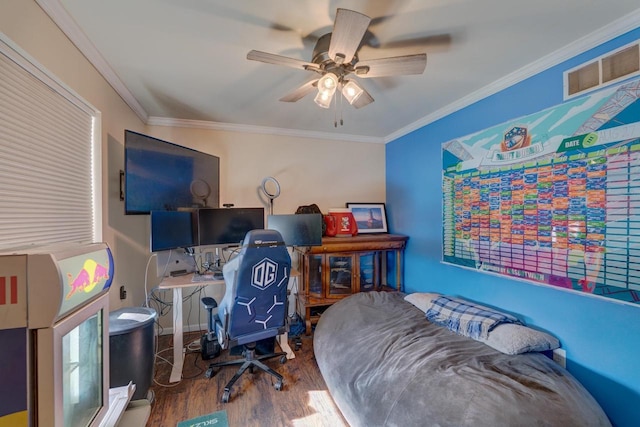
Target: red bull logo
(86,280)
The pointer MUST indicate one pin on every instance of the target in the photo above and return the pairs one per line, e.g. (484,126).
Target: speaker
(209,346)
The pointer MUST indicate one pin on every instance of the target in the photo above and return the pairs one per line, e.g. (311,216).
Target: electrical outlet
(560,357)
(123,292)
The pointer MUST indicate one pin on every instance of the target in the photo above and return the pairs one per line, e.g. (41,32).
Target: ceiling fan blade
(348,30)
(271,58)
(300,92)
(392,66)
(432,40)
(363,100)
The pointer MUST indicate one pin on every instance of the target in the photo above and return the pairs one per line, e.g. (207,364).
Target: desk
(177,284)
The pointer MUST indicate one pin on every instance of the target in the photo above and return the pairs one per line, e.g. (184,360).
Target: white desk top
(185,282)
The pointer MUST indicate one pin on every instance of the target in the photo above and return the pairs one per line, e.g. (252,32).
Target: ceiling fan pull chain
(335,112)
(341,109)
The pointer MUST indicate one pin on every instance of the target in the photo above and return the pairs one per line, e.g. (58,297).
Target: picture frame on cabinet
(370,217)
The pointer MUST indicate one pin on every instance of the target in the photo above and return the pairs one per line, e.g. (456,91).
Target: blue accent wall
(601,337)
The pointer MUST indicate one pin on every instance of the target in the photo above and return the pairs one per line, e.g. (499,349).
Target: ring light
(264,187)
(273,195)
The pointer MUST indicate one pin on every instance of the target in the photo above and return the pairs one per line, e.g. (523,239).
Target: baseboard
(186,328)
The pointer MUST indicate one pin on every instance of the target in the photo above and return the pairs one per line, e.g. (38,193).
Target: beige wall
(328,173)
(325,172)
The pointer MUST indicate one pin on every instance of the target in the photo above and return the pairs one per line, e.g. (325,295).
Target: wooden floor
(304,400)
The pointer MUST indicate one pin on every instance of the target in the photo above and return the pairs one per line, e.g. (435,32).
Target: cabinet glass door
(368,272)
(340,275)
(315,275)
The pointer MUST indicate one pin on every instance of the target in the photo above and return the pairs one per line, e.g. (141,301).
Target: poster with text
(553,197)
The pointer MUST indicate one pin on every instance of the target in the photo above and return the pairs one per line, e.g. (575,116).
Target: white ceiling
(184,62)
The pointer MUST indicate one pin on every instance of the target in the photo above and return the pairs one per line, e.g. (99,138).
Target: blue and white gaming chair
(254,306)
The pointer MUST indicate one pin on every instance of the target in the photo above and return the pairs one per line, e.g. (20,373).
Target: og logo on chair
(264,274)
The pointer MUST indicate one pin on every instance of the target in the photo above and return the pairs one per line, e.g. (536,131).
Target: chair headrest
(260,238)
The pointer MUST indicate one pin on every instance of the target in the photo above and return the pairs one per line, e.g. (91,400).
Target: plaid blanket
(466,318)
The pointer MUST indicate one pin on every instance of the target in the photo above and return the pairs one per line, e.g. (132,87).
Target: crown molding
(63,20)
(264,130)
(590,41)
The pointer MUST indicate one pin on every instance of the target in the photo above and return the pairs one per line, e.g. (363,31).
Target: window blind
(47,173)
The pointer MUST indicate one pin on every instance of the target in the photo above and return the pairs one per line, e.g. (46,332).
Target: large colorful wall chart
(553,197)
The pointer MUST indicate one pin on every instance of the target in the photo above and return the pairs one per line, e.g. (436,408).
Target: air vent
(584,78)
(620,64)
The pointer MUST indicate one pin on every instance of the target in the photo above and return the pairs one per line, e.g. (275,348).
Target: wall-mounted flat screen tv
(163,176)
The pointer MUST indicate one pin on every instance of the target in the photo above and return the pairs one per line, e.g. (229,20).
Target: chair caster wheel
(278,385)
(298,345)
(209,373)
(283,360)
(225,396)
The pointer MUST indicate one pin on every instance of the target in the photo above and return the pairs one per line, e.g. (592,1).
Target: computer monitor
(171,230)
(298,229)
(227,226)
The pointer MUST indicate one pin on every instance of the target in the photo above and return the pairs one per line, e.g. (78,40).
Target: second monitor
(227,226)
(298,229)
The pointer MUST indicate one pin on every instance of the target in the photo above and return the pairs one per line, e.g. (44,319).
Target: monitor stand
(217,267)
(217,273)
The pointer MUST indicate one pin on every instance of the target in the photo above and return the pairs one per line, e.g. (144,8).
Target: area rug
(217,419)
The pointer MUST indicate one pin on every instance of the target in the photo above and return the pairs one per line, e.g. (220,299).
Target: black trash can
(132,348)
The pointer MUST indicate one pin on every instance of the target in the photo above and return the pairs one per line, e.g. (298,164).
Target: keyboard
(207,277)
(202,278)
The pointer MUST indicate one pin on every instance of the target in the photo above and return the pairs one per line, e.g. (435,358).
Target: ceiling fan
(335,60)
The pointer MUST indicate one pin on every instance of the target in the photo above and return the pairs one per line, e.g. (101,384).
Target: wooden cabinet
(342,266)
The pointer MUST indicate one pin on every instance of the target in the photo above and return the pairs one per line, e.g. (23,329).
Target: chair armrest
(208,303)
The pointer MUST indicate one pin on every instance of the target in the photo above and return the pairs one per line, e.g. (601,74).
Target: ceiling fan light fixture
(351,91)
(328,83)
(323,99)
(335,57)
